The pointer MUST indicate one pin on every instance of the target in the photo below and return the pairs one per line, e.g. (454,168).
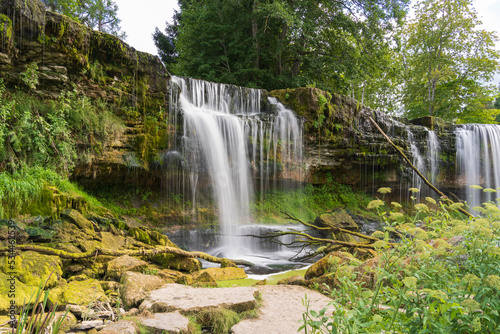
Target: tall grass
(23,188)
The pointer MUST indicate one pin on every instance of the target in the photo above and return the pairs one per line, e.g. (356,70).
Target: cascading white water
(478,157)
(433,155)
(228,138)
(418,161)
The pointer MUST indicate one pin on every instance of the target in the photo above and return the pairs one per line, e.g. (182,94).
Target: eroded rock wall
(342,145)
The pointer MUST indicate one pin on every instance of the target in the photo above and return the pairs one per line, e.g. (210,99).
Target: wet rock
(135,287)
(166,322)
(116,267)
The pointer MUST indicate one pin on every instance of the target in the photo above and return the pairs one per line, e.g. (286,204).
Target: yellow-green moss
(32,268)
(77,292)
(5,31)
(177,262)
(22,293)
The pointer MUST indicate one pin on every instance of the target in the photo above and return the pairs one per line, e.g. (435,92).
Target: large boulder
(116,267)
(33,268)
(11,287)
(77,292)
(135,287)
(177,262)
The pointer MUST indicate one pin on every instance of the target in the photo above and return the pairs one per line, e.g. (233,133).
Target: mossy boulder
(330,263)
(222,274)
(293,280)
(77,292)
(112,241)
(177,262)
(75,217)
(32,268)
(68,322)
(204,279)
(116,267)
(11,289)
(135,287)
(140,234)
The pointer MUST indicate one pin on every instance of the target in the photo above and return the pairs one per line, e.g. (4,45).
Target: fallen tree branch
(141,252)
(400,151)
(333,228)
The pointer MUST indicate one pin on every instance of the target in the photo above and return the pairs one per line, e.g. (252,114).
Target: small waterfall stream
(227,140)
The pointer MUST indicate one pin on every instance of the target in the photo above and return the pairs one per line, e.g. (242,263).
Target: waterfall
(419,162)
(478,159)
(433,155)
(227,140)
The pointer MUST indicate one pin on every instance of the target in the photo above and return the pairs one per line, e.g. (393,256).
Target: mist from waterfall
(227,138)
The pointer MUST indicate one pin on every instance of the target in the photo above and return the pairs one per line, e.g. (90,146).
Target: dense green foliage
(448,60)
(53,134)
(280,43)
(437,63)
(24,191)
(100,15)
(442,276)
(306,203)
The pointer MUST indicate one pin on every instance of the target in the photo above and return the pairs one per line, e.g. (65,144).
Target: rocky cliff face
(70,55)
(340,142)
(342,145)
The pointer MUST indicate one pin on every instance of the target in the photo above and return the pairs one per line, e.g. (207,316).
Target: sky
(139,19)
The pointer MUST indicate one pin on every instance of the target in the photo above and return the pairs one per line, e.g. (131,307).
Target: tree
(447,60)
(100,15)
(165,42)
(281,43)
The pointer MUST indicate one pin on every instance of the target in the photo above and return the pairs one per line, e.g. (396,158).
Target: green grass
(23,191)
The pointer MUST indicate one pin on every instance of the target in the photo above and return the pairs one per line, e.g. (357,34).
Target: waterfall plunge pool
(249,244)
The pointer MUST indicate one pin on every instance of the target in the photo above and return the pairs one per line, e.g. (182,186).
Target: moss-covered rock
(32,268)
(77,292)
(11,289)
(222,274)
(330,263)
(177,262)
(75,217)
(204,279)
(116,267)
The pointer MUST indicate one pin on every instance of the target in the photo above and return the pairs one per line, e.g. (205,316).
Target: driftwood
(400,151)
(108,252)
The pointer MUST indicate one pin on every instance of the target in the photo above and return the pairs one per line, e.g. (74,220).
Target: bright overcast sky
(139,19)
